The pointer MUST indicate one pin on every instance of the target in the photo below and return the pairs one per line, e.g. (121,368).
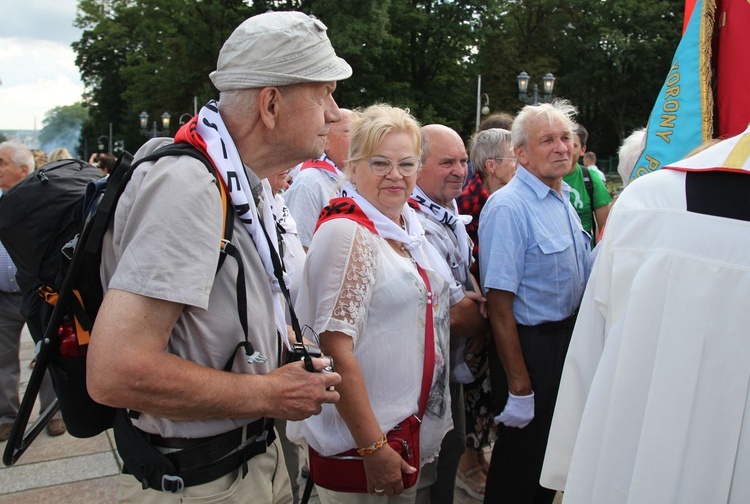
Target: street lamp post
(153,133)
(484,109)
(548,85)
(100,143)
(184,117)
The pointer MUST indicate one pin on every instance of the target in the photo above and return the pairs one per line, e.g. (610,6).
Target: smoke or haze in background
(37,64)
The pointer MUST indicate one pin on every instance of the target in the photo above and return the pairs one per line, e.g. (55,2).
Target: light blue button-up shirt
(531,243)
(7,272)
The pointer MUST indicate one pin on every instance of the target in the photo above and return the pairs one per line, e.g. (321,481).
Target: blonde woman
(363,292)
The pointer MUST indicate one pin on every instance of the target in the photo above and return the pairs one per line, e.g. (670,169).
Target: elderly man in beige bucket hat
(172,344)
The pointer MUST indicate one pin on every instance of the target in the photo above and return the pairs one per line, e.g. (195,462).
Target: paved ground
(65,469)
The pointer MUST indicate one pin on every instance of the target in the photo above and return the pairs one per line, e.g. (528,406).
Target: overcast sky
(37,64)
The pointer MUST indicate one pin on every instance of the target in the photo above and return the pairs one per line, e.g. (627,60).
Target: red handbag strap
(429,347)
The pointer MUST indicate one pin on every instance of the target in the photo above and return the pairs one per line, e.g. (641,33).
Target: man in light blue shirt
(533,255)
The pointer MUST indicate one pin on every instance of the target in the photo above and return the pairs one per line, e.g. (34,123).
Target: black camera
(305,353)
(300,350)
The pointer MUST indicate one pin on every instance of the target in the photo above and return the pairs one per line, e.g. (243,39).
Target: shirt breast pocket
(555,256)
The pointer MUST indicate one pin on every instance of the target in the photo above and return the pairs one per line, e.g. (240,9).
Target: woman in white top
(362,293)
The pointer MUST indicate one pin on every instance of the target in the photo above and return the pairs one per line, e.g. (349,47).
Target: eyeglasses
(382,166)
(500,159)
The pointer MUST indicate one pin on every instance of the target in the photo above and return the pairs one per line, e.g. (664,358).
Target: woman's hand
(383,469)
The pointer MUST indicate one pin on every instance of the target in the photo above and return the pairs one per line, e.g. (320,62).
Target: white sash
(226,158)
(449,217)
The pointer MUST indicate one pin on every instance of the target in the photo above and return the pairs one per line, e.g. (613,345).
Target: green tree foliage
(61,127)
(609,57)
(149,55)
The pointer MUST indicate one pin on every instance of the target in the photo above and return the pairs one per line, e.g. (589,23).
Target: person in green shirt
(593,211)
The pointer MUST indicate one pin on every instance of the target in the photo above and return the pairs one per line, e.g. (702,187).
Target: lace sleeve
(351,305)
(339,277)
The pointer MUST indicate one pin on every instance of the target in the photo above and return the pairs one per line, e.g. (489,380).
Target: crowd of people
(443,286)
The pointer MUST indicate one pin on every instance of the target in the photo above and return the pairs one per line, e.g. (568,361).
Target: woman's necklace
(401,245)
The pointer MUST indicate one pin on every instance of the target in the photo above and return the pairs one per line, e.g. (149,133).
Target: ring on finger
(378,490)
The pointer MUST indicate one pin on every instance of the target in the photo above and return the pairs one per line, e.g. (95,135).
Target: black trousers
(518,454)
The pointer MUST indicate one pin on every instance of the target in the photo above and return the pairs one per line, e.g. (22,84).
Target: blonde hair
(371,125)
(58,154)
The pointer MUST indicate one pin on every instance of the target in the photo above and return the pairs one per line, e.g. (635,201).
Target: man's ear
(269,105)
(489,165)
(521,155)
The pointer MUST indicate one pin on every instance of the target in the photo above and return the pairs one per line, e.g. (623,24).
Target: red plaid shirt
(471,202)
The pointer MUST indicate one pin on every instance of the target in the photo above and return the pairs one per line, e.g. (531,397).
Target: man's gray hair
(629,152)
(238,102)
(20,155)
(561,110)
(488,144)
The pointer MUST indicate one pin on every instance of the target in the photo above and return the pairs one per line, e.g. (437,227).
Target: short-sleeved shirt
(531,243)
(579,196)
(444,240)
(355,283)
(163,243)
(306,197)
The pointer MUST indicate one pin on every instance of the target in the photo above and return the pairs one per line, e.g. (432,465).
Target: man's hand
(298,393)
(518,412)
(479,300)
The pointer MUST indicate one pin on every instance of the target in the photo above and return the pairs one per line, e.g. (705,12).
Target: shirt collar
(540,189)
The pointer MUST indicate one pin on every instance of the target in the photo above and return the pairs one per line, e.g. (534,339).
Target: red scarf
(345,208)
(319,164)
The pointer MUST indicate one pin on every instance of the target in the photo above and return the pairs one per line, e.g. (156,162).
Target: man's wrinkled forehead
(545,125)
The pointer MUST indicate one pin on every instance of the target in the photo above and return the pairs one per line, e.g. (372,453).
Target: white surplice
(653,404)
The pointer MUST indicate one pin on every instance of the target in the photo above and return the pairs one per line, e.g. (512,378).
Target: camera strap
(278,271)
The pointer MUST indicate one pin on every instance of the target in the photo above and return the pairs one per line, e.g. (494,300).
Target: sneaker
(5,431)
(56,427)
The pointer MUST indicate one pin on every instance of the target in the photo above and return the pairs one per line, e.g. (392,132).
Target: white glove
(518,412)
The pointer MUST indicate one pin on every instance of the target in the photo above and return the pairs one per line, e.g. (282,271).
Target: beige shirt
(164,243)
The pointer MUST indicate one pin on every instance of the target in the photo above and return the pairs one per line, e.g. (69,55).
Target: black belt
(232,438)
(559,325)
(201,460)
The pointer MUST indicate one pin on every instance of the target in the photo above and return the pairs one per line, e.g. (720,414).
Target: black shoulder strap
(589,185)
(118,179)
(590,190)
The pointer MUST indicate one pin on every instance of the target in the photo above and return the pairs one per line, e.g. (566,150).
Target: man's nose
(333,112)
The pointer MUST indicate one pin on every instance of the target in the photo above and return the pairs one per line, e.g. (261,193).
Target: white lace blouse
(355,283)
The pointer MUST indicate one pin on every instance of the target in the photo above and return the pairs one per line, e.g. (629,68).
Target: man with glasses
(534,259)
(439,182)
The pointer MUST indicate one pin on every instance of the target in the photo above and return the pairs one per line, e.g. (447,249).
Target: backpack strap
(589,185)
(590,190)
(227,247)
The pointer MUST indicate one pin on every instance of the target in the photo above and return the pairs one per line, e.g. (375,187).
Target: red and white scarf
(207,133)
(324,164)
(354,206)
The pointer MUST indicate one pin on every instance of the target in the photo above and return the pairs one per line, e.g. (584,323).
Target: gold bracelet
(368,450)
